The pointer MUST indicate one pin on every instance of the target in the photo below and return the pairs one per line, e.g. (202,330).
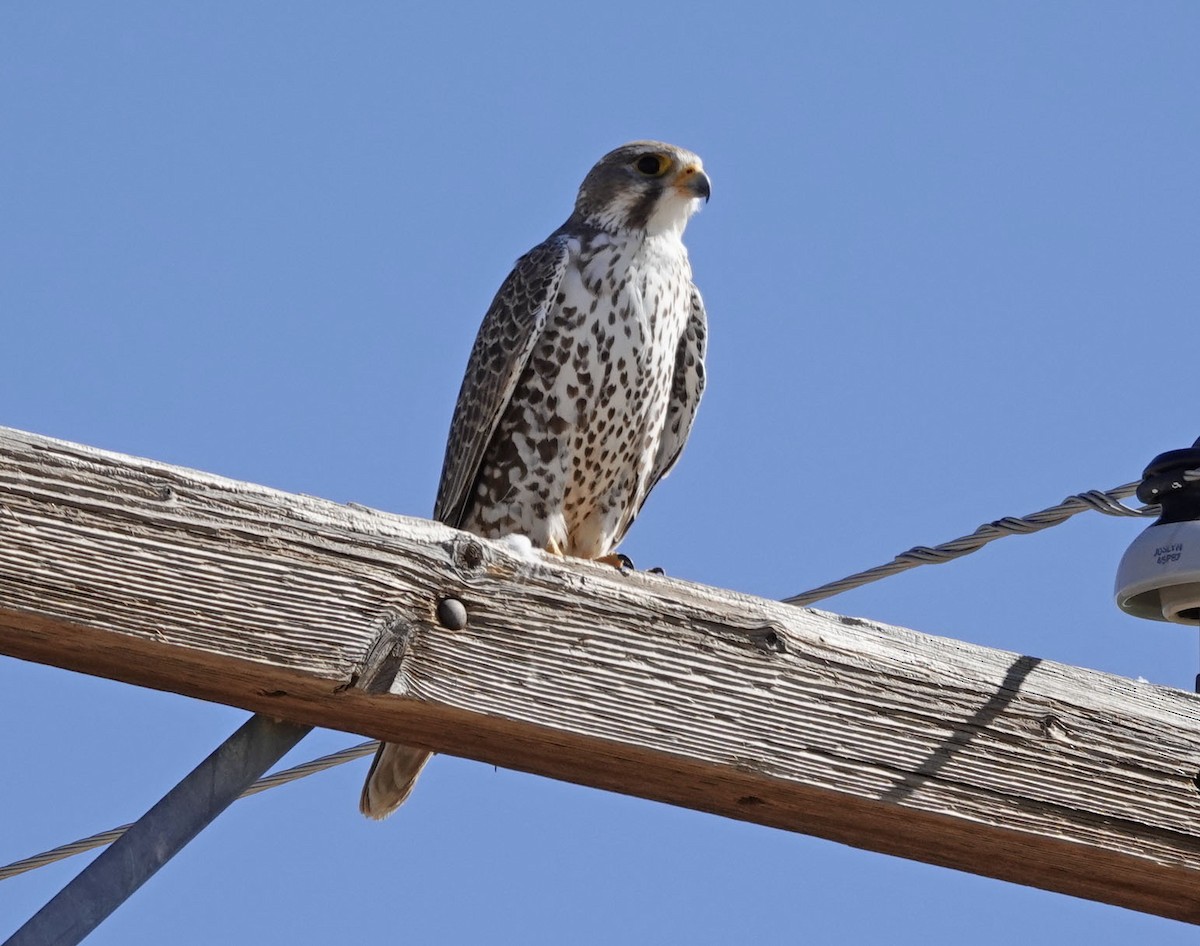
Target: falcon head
(645,186)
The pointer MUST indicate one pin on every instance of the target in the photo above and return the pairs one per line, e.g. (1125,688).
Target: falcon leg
(555,549)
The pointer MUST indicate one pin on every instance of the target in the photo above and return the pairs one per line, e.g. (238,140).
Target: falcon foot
(621,562)
(624,564)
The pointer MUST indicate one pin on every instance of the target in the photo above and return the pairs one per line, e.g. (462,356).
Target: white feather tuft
(520,546)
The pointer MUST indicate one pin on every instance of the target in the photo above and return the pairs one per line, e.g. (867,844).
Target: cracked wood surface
(874,736)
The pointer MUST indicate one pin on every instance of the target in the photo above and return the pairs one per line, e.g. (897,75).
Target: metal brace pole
(160,833)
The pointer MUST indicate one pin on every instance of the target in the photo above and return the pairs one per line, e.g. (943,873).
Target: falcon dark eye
(653,165)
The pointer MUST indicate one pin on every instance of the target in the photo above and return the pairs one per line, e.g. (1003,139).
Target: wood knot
(467,555)
(1053,728)
(769,639)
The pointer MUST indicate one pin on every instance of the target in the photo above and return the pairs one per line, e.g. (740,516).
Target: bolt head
(452,614)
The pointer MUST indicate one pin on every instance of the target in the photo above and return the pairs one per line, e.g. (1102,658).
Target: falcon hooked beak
(693,182)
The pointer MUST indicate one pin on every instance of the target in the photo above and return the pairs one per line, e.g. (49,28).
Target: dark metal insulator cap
(1164,483)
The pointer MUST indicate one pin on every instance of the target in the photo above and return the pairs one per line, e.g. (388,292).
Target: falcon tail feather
(390,781)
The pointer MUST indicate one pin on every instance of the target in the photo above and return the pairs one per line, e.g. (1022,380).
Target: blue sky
(951,270)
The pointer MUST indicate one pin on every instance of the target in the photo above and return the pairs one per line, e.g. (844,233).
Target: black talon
(656,570)
(626,563)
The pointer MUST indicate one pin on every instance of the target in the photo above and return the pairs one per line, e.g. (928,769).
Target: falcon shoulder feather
(687,386)
(511,328)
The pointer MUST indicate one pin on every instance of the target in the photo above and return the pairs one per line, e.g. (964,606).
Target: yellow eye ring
(652,165)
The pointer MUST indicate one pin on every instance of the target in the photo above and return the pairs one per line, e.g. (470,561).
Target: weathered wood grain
(874,736)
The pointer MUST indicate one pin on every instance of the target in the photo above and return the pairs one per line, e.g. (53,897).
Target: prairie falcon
(582,384)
